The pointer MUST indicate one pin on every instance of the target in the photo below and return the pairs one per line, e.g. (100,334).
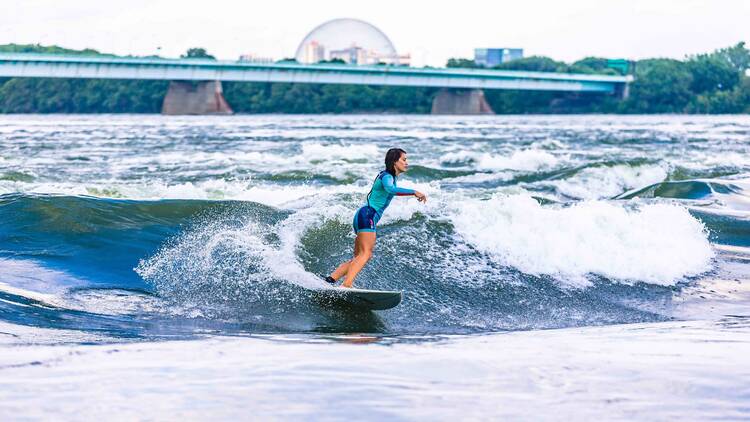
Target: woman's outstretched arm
(391,187)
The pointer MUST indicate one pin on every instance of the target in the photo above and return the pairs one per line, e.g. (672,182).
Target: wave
(722,205)
(599,180)
(257,272)
(94,239)
(523,160)
(277,184)
(301,176)
(658,243)
(425,173)
(16,176)
(243,266)
(607,181)
(209,190)
(690,189)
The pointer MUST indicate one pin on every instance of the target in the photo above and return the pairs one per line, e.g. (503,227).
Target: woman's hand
(420,196)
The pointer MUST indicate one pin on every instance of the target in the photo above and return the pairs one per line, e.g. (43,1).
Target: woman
(366,218)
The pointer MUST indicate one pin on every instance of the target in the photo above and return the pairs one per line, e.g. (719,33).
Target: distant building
(398,60)
(351,55)
(489,57)
(358,55)
(313,52)
(252,58)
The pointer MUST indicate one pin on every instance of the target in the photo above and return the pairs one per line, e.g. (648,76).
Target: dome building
(352,40)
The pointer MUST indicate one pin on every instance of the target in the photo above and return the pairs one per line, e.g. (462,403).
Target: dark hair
(393,155)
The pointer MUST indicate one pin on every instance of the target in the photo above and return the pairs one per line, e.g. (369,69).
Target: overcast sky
(432,32)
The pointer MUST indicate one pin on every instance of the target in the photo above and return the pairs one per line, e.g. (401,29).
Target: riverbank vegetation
(716,82)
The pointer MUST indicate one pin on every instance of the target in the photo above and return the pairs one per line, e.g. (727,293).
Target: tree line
(715,82)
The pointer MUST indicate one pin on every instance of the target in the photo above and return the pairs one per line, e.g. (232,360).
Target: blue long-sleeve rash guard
(383,190)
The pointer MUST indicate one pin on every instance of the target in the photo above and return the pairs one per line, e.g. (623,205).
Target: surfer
(366,218)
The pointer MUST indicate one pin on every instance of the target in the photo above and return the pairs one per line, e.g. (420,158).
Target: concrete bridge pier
(460,101)
(201,97)
(622,91)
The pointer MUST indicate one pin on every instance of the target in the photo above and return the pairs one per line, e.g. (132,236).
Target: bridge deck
(61,66)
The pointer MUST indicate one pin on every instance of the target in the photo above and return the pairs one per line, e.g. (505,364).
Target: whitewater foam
(211,262)
(655,243)
(524,160)
(480,178)
(325,152)
(216,189)
(223,256)
(609,181)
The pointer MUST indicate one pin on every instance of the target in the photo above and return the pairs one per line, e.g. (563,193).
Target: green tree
(52,49)
(333,61)
(734,101)
(464,63)
(743,95)
(711,73)
(42,95)
(197,53)
(738,56)
(593,65)
(534,64)
(660,86)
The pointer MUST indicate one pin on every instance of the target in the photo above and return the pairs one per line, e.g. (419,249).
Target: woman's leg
(364,244)
(341,270)
(344,268)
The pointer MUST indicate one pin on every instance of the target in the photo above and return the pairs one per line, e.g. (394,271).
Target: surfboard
(375,300)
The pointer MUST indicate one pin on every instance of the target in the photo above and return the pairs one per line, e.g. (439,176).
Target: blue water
(154,230)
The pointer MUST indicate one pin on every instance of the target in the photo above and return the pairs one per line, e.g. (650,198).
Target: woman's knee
(365,254)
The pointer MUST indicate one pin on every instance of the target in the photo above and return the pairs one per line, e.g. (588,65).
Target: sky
(431,32)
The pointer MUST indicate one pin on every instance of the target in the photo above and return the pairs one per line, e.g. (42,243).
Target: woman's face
(401,165)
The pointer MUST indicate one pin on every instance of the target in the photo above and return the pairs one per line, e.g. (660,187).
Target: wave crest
(656,243)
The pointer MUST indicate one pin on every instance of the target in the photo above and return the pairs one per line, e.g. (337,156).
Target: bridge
(462,93)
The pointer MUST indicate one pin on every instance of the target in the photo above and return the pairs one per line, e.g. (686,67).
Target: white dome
(340,34)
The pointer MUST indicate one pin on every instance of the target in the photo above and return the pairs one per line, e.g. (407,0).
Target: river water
(563,267)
